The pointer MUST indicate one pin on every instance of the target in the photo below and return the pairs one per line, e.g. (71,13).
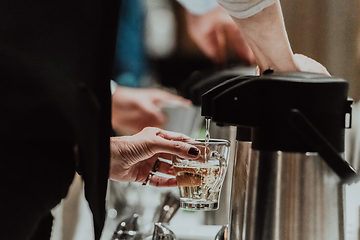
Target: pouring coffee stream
(207,136)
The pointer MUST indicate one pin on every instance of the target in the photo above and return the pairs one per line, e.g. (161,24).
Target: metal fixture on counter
(169,206)
(222,234)
(239,177)
(128,229)
(290,184)
(239,187)
(162,232)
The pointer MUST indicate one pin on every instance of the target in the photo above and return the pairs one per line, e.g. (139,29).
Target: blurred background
(154,50)
(329,32)
(325,30)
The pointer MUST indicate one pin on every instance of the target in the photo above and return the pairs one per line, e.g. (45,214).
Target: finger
(165,168)
(160,181)
(307,64)
(204,152)
(206,47)
(220,46)
(209,46)
(239,45)
(165,157)
(201,156)
(213,46)
(172,135)
(178,148)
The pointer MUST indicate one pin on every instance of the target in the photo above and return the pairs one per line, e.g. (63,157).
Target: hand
(212,31)
(306,64)
(132,157)
(133,109)
(266,35)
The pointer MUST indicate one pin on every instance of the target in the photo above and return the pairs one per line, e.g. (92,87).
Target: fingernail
(193,151)
(268,71)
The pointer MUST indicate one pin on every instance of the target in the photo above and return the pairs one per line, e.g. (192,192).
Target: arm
(264,31)
(262,24)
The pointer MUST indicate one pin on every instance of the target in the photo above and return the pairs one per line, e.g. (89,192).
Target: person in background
(136,108)
(215,33)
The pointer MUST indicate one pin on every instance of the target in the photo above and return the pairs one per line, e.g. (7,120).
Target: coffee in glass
(200,180)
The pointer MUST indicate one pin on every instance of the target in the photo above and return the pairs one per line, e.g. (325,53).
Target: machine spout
(208,97)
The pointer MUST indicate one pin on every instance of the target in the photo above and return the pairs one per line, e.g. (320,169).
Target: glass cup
(200,180)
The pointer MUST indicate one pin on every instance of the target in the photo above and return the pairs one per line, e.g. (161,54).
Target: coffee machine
(289,185)
(239,168)
(193,88)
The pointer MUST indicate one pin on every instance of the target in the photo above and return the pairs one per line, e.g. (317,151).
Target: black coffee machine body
(290,184)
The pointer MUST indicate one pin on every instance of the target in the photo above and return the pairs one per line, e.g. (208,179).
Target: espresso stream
(207,136)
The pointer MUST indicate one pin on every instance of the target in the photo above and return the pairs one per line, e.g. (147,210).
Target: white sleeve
(245,8)
(199,7)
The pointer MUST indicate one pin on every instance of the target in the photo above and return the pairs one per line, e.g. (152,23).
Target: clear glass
(200,180)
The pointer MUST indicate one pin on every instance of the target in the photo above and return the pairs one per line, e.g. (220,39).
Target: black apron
(55,70)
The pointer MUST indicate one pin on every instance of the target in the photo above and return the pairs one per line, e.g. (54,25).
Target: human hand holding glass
(133,157)
(200,180)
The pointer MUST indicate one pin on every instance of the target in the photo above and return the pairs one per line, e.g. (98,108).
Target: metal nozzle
(162,232)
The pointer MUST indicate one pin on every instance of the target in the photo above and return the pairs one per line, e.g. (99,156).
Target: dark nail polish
(268,71)
(193,151)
